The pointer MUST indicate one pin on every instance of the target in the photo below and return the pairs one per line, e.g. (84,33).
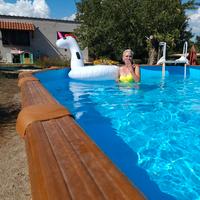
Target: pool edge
(50,165)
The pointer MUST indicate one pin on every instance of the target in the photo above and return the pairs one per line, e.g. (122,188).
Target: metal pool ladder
(163,61)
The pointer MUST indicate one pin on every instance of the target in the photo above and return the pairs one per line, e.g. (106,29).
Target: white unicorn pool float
(78,70)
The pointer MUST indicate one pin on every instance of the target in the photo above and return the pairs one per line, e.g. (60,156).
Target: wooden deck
(63,161)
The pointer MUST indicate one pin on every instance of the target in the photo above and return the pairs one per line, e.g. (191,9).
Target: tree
(105,28)
(164,21)
(110,26)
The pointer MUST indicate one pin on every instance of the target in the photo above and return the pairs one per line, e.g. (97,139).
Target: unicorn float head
(78,70)
(69,41)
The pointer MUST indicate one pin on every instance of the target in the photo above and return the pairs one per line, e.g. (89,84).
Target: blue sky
(66,9)
(63,9)
(58,9)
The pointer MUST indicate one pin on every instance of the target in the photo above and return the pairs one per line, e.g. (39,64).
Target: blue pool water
(151,130)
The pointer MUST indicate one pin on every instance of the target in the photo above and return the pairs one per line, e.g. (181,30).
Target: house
(25,39)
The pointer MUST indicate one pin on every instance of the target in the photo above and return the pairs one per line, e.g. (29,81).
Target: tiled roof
(17,26)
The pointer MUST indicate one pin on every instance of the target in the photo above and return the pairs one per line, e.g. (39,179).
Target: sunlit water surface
(158,119)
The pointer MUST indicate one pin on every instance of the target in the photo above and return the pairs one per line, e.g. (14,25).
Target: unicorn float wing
(78,70)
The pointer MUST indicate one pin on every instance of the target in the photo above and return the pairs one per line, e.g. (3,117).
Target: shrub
(47,62)
(105,61)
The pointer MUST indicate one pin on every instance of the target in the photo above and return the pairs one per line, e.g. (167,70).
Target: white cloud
(72,17)
(29,8)
(194,19)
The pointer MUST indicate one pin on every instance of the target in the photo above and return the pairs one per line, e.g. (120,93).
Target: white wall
(43,39)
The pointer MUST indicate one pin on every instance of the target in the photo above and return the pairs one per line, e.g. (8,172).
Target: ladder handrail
(182,59)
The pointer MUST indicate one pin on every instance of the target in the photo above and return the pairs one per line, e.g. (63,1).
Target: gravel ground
(14,179)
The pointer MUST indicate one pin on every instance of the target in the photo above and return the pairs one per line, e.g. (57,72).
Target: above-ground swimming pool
(150,130)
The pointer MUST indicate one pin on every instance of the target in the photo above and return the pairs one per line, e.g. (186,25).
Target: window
(26,55)
(15,37)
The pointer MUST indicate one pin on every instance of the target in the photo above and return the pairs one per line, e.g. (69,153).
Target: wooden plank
(50,183)
(74,172)
(37,183)
(99,166)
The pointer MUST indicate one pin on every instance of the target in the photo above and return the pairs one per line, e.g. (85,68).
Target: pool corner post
(185,73)
(163,69)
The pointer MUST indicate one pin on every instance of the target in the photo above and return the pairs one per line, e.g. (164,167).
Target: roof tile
(17,26)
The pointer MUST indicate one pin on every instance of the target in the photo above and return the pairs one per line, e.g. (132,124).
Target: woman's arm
(135,71)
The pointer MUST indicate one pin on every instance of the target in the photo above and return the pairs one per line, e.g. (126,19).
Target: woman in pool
(129,72)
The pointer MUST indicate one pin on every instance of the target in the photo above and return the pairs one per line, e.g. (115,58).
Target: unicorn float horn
(60,35)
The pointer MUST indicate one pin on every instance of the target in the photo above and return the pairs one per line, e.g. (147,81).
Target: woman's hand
(128,63)
(135,71)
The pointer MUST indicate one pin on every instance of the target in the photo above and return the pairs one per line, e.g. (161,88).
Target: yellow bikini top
(126,78)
